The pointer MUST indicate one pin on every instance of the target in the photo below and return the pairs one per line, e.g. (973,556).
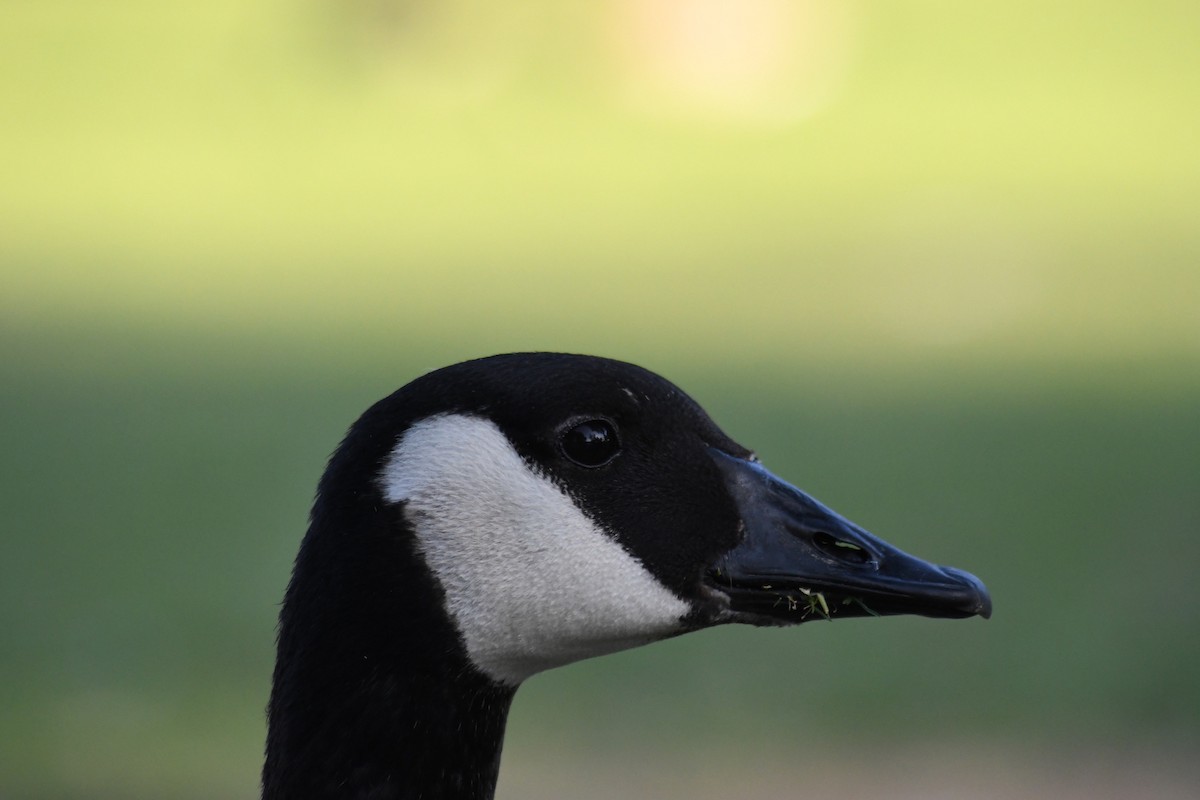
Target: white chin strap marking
(531,582)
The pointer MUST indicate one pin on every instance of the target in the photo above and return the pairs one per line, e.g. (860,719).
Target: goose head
(505,516)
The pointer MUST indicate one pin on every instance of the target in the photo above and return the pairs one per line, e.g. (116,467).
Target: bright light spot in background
(753,60)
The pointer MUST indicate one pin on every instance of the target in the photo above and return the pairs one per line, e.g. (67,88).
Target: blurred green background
(938,262)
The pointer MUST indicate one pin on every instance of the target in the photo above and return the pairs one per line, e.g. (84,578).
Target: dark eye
(592,443)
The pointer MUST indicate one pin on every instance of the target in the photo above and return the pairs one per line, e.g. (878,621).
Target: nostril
(841,550)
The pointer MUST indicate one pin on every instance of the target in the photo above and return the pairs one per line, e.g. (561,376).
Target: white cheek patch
(531,581)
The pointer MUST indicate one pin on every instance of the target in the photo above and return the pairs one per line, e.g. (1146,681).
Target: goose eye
(592,443)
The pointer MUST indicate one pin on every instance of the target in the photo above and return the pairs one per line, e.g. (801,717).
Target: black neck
(403,738)
(373,693)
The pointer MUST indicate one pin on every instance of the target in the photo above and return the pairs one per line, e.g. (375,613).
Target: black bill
(800,561)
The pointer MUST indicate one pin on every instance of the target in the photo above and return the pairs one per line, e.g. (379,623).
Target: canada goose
(503,516)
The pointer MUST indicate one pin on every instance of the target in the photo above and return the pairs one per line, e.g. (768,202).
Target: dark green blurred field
(154,508)
(944,275)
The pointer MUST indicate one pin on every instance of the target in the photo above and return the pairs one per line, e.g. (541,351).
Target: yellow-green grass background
(938,262)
